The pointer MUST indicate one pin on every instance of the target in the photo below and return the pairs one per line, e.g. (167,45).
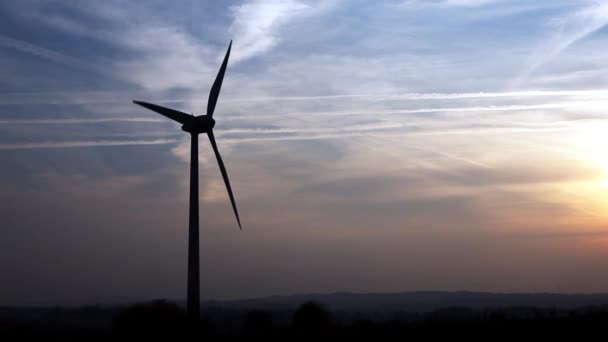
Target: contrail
(346,134)
(73,121)
(69,144)
(386,125)
(63,97)
(110,97)
(436,96)
(44,53)
(423,96)
(505,108)
(351,128)
(516,94)
(573,28)
(296,135)
(440,153)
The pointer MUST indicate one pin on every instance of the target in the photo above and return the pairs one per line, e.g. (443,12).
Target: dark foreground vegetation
(162,319)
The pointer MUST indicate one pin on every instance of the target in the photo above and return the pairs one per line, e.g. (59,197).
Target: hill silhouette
(420,301)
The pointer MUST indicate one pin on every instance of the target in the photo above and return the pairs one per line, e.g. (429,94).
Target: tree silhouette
(311,319)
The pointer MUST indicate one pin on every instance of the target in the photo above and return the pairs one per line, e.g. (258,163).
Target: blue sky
(372,146)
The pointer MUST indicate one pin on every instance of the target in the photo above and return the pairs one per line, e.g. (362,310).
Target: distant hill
(416,301)
(422,301)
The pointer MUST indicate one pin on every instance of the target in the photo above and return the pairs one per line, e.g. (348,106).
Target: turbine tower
(196,125)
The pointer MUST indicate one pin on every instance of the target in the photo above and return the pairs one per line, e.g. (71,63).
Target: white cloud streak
(375,113)
(514,94)
(369,112)
(71,144)
(74,121)
(109,97)
(348,134)
(350,128)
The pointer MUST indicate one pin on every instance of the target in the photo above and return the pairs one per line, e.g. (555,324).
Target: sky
(377,146)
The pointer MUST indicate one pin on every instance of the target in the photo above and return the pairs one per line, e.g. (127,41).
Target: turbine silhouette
(196,125)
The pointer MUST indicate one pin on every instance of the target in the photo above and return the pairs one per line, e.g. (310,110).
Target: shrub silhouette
(158,318)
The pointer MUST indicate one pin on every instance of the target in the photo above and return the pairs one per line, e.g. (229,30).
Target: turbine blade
(224,175)
(217,85)
(168,112)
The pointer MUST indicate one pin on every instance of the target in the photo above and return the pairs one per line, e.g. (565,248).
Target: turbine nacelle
(199,124)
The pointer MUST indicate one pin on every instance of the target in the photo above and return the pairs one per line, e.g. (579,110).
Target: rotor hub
(199,124)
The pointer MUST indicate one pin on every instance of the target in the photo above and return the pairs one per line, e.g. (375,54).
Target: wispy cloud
(256,24)
(186,63)
(151,64)
(568,30)
(469,3)
(448,3)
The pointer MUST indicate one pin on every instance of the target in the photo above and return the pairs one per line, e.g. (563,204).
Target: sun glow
(595,146)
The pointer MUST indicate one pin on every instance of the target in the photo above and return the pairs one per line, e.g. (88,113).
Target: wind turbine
(196,125)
